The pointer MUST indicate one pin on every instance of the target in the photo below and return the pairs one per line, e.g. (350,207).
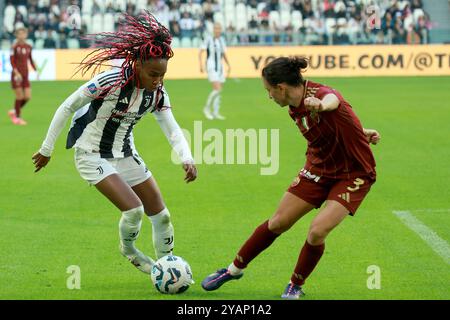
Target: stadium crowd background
(59,24)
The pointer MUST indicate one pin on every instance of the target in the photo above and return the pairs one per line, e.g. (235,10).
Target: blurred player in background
(20,56)
(106,110)
(215,49)
(339,169)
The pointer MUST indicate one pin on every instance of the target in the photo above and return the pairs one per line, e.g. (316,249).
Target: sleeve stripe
(111,79)
(108,77)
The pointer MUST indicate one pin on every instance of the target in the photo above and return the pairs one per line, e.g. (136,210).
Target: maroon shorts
(350,193)
(15,83)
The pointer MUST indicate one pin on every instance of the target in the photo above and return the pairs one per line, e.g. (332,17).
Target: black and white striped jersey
(103,120)
(215,49)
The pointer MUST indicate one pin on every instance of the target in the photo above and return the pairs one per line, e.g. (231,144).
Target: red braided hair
(141,37)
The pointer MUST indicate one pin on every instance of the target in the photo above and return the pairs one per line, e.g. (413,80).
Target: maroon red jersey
(20,55)
(337,146)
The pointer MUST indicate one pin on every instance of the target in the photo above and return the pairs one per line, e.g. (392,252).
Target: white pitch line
(431,210)
(439,245)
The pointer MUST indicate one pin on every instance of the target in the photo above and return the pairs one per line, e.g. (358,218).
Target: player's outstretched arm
(328,103)
(200,59)
(372,135)
(175,136)
(74,102)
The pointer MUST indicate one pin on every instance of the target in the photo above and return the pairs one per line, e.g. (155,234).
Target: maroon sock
(307,261)
(261,238)
(17,106)
(24,102)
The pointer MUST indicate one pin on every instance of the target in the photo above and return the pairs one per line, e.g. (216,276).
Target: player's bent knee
(317,234)
(134,213)
(277,225)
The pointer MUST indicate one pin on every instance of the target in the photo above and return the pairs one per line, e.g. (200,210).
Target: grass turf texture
(53,219)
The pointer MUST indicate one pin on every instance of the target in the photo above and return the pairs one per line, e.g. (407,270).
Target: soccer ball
(171,274)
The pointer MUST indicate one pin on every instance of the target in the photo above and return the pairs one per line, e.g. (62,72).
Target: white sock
(163,237)
(210,100)
(129,227)
(217,104)
(234,271)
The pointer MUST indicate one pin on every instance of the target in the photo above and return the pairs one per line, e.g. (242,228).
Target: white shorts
(214,76)
(94,169)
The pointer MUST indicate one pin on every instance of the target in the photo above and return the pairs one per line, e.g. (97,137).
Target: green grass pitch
(53,219)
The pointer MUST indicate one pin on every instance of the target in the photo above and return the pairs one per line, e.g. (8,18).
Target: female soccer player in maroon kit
(339,169)
(20,55)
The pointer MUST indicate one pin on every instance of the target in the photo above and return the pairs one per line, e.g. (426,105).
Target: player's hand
(39,161)
(228,71)
(373,136)
(313,104)
(191,171)
(201,69)
(17,77)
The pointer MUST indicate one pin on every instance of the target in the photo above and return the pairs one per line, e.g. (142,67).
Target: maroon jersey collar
(300,110)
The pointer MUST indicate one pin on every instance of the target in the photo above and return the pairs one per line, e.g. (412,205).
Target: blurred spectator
(187,25)
(49,42)
(62,41)
(402,20)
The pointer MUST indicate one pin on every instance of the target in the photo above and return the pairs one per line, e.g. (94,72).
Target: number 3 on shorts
(358,182)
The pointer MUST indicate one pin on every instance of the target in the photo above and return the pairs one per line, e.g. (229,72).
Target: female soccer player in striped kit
(20,56)
(339,169)
(215,49)
(106,110)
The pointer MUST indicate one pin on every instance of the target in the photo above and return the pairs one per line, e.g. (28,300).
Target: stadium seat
(342,21)
(241,17)
(196,41)
(97,23)
(86,19)
(141,4)
(307,22)
(297,20)
(285,18)
(176,42)
(23,11)
(186,43)
(219,17)
(274,19)
(73,44)
(330,24)
(87,7)
(418,13)
(260,7)
(5,45)
(108,22)
(251,12)
(39,44)
(8,19)
(230,16)
(229,4)
(121,5)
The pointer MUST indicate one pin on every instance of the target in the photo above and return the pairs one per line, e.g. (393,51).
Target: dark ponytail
(285,70)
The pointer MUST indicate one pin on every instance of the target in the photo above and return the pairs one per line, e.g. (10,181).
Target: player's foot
(12,114)
(219,116)
(215,280)
(208,114)
(138,259)
(19,121)
(292,292)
